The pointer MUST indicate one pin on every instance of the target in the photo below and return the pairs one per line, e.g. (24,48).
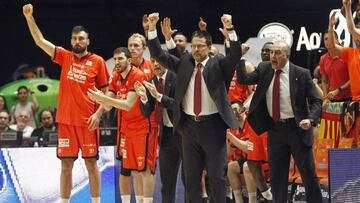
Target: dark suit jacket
(167,100)
(305,101)
(217,74)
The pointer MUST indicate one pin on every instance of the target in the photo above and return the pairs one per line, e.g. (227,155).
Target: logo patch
(64,143)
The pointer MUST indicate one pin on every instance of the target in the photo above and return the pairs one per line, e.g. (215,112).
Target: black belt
(201,118)
(285,121)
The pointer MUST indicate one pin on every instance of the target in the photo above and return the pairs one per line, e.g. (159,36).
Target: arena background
(110,22)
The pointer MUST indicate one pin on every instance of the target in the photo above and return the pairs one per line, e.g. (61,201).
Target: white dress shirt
(166,120)
(207,103)
(286,110)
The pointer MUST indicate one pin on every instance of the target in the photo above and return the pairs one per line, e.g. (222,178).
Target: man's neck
(23,103)
(125,72)
(48,128)
(80,55)
(137,61)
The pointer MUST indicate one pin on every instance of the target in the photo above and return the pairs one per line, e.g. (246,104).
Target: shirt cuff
(233,36)
(170,44)
(159,98)
(145,100)
(152,35)
(227,43)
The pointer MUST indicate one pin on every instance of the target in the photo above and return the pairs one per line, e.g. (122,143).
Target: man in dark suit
(202,112)
(159,97)
(286,105)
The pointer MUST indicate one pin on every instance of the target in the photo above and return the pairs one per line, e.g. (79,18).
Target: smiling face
(279,55)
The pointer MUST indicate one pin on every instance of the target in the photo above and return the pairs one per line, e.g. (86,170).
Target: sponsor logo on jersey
(64,143)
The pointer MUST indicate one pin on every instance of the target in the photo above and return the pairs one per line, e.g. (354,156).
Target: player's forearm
(242,145)
(119,104)
(35,101)
(39,39)
(350,21)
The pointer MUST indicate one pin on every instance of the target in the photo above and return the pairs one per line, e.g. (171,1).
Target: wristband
(340,89)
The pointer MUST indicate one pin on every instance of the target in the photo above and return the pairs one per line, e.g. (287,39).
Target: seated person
(4,121)
(4,125)
(22,126)
(47,124)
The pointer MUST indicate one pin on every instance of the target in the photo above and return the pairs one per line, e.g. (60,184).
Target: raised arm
(245,78)
(334,48)
(39,39)
(349,20)
(167,31)
(34,100)
(229,62)
(167,60)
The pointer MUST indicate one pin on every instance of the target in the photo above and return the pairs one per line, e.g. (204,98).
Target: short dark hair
(22,87)
(79,28)
(203,34)
(48,109)
(123,50)
(5,111)
(180,33)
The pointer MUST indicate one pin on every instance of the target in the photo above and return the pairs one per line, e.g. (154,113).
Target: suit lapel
(205,72)
(267,80)
(293,83)
(188,71)
(168,83)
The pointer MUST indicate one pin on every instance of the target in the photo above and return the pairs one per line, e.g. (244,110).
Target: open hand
(166,29)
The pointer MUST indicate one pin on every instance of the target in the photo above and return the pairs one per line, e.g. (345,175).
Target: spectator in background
(351,57)
(181,42)
(335,81)
(357,16)
(351,23)
(4,121)
(25,105)
(3,106)
(22,125)
(317,80)
(47,125)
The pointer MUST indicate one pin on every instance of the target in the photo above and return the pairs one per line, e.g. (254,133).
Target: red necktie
(158,108)
(197,90)
(276,97)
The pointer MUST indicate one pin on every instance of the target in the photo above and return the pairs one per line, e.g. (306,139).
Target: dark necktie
(276,97)
(197,90)
(158,108)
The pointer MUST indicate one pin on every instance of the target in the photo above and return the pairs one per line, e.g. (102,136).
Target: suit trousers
(284,140)
(204,146)
(170,157)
